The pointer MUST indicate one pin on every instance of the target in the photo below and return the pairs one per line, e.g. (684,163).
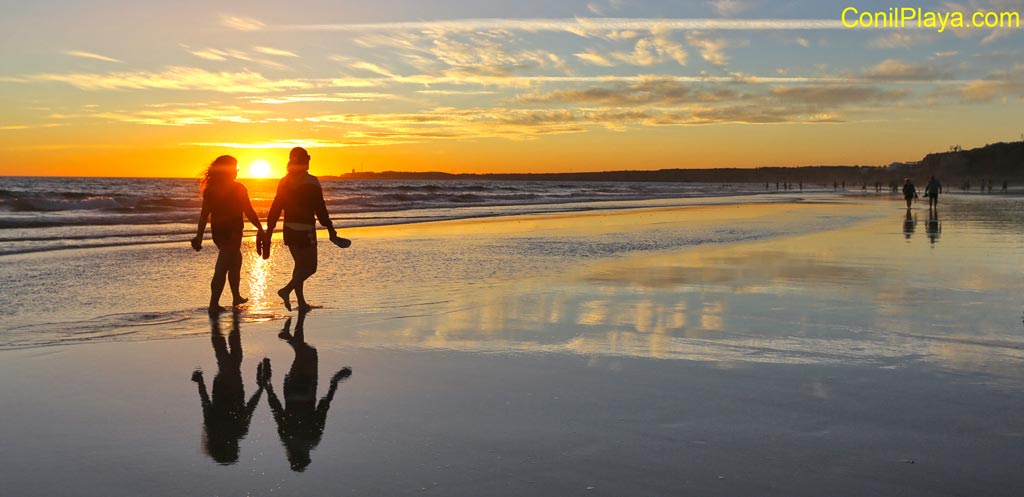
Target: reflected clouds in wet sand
(849,296)
(301,419)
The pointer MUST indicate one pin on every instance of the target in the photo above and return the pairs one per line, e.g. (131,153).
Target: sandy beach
(790,345)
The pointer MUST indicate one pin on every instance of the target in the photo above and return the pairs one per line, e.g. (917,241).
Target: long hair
(222,170)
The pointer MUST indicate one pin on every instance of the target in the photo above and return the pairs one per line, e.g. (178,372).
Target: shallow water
(148,291)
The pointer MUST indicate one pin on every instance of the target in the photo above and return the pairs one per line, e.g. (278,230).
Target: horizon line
(604,171)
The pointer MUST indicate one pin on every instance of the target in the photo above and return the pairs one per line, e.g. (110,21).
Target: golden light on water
(258,274)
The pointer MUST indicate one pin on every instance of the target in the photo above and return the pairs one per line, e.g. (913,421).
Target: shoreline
(184,319)
(372,219)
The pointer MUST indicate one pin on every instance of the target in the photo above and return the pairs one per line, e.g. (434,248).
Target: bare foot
(306,306)
(286,333)
(216,309)
(284,296)
(237,301)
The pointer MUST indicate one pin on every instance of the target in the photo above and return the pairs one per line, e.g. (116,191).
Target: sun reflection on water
(257,276)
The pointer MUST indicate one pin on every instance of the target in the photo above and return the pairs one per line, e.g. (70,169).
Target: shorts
(299,238)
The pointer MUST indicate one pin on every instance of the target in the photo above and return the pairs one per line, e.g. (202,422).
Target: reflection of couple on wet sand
(226,414)
(931,191)
(301,420)
(933,228)
(225,200)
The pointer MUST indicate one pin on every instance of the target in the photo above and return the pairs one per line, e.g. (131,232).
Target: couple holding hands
(225,201)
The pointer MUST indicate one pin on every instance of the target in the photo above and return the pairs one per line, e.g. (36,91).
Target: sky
(159,89)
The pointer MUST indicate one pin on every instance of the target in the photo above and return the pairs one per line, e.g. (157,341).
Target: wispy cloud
(896,70)
(997,84)
(274,51)
(174,114)
(594,58)
(242,23)
(19,127)
(728,8)
(175,78)
(653,50)
(711,49)
(456,92)
(216,54)
(290,143)
(484,54)
(322,97)
(577,25)
(209,54)
(644,92)
(837,95)
(90,55)
(373,68)
(903,39)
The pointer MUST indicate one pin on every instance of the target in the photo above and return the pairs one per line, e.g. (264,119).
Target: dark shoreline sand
(849,361)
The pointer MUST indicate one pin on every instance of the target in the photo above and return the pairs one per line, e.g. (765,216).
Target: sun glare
(259,169)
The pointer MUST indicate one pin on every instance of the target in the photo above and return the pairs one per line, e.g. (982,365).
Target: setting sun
(259,169)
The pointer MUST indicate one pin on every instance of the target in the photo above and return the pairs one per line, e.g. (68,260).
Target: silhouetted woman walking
(909,192)
(224,202)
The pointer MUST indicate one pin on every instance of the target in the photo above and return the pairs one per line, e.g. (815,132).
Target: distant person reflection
(226,416)
(300,421)
(908,224)
(934,227)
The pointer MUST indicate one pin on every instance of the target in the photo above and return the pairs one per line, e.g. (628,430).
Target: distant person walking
(932,191)
(224,202)
(301,198)
(909,192)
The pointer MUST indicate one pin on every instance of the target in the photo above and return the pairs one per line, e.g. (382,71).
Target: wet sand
(848,352)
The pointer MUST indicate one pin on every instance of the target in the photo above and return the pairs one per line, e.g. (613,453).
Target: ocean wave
(69,213)
(72,204)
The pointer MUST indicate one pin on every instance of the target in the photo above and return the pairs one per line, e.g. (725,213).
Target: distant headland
(997,161)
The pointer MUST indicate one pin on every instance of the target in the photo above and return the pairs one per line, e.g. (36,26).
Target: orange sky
(581,86)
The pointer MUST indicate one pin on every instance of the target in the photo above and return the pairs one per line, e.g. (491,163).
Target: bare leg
(305,266)
(234,248)
(220,272)
(301,297)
